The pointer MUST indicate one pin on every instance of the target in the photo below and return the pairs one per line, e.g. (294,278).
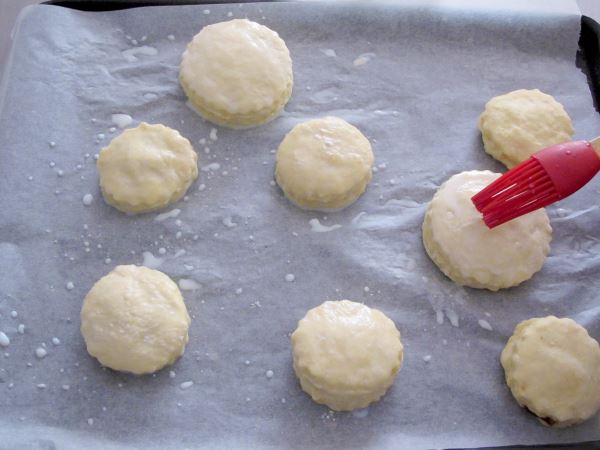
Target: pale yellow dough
(134,320)
(346,355)
(146,168)
(460,244)
(552,368)
(516,125)
(324,164)
(237,73)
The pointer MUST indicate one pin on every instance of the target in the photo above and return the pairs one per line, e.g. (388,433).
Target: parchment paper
(427,75)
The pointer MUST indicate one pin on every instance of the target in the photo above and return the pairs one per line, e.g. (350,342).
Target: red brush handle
(569,165)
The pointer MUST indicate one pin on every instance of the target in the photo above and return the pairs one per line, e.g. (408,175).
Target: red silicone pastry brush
(548,176)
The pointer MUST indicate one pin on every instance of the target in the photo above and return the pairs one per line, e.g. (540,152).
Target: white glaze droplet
(171,374)
(4,340)
(329,52)
(40,352)
(206,11)
(21,328)
(13,314)
(427,358)
(130,54)
(121,120)
(210,167)
(239,291)
(69,285)
(150,96)
(229,223)
(359,413)
(55,341)
(452,317)
(87,199)
(171,37)
(167,215)
(269,374)
(363,59)
(290,277)
(186,385)
(186,284)
(213,134)
(150,261)
(485,325)
(316,226)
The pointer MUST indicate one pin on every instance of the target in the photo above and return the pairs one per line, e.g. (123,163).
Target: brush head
(548,176)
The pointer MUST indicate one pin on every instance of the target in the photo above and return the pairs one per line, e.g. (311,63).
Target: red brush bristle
(523,189)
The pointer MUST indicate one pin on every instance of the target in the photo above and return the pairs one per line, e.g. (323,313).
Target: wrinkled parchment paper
(414,80)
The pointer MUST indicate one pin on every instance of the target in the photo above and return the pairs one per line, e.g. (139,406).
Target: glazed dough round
(518,124)
(552,368)
(346,355)
(237,73)
(134,320)
(324,164)
(146,168)
(468,252)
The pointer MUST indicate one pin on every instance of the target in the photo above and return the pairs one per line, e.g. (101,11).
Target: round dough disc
(237,73)
(552,368)
(146,168)
(516,125)
(468,252)
(324,164)
(346,355)
(134,320)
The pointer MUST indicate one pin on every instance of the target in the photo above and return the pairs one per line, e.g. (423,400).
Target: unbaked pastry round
(134,320)
(146,168)
(324,164)
(346,355)
(468,252)
(518,124)
(237,73)
(552,368)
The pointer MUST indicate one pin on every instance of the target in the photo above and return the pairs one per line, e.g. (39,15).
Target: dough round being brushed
(237,73)
(324,164)
(134,320)
(516,125)
(146,168)
(468,252)
(346,355)
(552,368)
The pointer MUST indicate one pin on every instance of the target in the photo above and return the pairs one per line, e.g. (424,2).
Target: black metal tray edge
(588,57)
(111,5)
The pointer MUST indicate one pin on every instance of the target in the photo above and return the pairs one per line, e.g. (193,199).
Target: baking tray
(55,417)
